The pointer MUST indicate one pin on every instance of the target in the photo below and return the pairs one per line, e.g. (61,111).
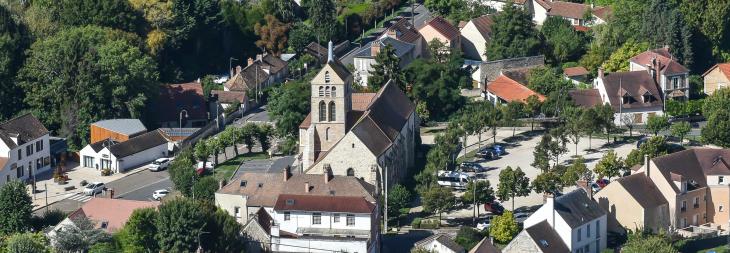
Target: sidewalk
(49,192)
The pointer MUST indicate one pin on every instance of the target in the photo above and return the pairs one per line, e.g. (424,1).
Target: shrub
(416,223)
(106,172)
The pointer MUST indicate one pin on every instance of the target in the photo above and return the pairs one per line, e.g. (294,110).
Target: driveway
(274,165)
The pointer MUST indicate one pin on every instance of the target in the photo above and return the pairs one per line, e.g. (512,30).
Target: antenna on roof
(330,51)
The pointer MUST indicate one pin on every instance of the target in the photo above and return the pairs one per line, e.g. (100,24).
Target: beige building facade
(716,78)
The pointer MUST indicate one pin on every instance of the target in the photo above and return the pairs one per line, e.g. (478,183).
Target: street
(140,186)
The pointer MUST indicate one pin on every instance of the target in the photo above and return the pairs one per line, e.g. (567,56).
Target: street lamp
(230,60)
(179,126)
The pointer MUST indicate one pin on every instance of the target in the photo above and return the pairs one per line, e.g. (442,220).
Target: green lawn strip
(226,169)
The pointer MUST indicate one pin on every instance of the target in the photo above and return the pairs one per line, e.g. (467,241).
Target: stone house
(717,77)
(475,35)
(24,149)
(671,76)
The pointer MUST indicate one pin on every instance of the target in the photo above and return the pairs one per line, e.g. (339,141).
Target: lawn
(226,169)
(723,248)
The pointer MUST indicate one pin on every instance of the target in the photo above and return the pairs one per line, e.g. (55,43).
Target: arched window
(334,93)
(322,111)
(333,115)
(327,134)
(327,91)
(350,172)
(321,91)
(327,77)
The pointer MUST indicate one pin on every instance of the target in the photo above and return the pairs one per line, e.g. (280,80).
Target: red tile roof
(575,71)
(444,28)
(484,25)
(581,28)
(360,101)
(115,212)
(339,204)
(724,69)
(568,9)
(175,97)
(405,31)
(511,90)
(602,12)
(667,63)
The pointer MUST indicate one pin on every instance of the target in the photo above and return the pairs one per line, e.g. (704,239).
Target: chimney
(327,173)
(306,187)
(551,200)
(238,69)
(250,61)
(375,49)
(221,184)
(600,72)
(259,57)
(287,173)
(330,52)
(392,33)
(646,165)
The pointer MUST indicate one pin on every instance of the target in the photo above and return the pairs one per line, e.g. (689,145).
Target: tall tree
(541,153)
(511,114)
(438,85)
(13,41)
(27,243)
(610,165)
(648,243)
(204,189)
(681,129)
(263,136)
(547,182)
(288,105)
(513,35)
(573,125)
(438,200)
(273,35)
(591,123)
(16,207)
(180,222)
(504,227)
(563,41)
(576,171)
(108,13)
(656,124)
(398,198)
(512,183)
(138,234)
(664,25)
(202,151)
(225,234)
(386,68)
(323,14)
(478,193)
(717,130)
(182,173)
(284,10)
(300,35)
(619,59)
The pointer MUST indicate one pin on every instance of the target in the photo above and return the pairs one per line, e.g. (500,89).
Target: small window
(243,183)
(104,224)
(287,216)
(327,77)
(336,217)
(20,154)
(334,92)
(720,179)
(327,91)
(353,145)
(721,208)
(316,218)
(588,231)
(289,202)
(327,134)
(236,212)
(261,185)
(350,172)
(579,234)
(350,220)
(321,91)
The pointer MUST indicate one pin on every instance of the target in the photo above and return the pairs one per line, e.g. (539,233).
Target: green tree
(179,223)
(664,25)
(202,151)
(576,171)
(284,10)
(648,243)
(80,236)
(422,111)
(215,145)
(513,35)
(511,115)
(504,227)
(442,7)
(288,105)
(681,129)
(438,200)
(656,124)
(438,85)
(573,126)
(398,198)
(541,154)
(719,101)
(591,123)
(97,74)
(484,194)
(105,247)
(248,135)
(13,41)
(16,207)
(227,138)
(547,182)
(717,130)
(546,80)
(323,14)
(610,165)
(468,237)
(225,233)
(182,172)
(204,189)
(619,60)
(27,243)
(606,119)
(138,234)
(532,108)
(386,68)
(108,13)
(263,136)
(563,41)
(300,36)
(512,183)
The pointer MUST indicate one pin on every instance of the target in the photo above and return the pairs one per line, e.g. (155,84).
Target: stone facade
(521,243)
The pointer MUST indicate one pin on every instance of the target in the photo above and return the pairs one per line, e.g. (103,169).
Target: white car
(93,188)
(159,164)
(159,194)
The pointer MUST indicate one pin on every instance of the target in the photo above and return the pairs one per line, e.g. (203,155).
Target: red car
(494,208)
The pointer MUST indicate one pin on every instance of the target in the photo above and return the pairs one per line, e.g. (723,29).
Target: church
(365,135)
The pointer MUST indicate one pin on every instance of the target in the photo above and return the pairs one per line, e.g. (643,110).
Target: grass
(723,248)
(380,24)
(226,169)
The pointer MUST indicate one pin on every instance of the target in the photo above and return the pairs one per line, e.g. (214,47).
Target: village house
(404,31)
(539,238)
(634,96)
(671,76)
(364,59)
(716,78)
(122,156)
(576,75)
(509,87)
(24,149)
(488,71)
(260,73)
(366,135)
(181,105)
(440,29)
(476,33)
(498,5)
(439,243)
(575,13)
(119,130)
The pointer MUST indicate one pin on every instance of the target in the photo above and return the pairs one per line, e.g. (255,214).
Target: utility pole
(620,106)
(474,197)
(45,189)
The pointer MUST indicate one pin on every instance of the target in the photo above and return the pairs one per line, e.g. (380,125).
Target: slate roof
(510,90)
(176,97)
(405,31)
(246,78)
(401,48)
(122,126)
(484,25)
(575,71)
(229,97)
(694,164)
(484,246)
(99,145)
(642,189)
(546,238)
(634,84)
(577,209)
(585,97)
(339,69)
(25,127)
(442,239)
(324,203)
(667,64)
(724,69)
(263,189)
(138,144)
(444,27)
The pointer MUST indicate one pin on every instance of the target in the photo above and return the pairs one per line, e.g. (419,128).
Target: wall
(622,211)
(521,243)
(473,44)
(590,239)
(539,13)
(435,246)
(304,219)
(644,112)
(714,80)
(350,152)
(489,71)
(320,245)
(99,133)
(228,202)
(143,157)
(33,159)
(691,211)
(363,66)
(719,196)
(429,34)
(666,189)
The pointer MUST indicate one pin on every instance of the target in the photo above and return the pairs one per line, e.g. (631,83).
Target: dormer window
(646,97)
(289,202)
(625,99)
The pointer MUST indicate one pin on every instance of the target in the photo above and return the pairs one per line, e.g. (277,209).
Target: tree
(182,172)
(284,10)
(668,28)
(13,41)
(606,119)
(386,68)
(468,237)
(619,60)
(532,107)
(80,236)
(98,74)
(648,243)
(504,227)
(557,146)
(442,7)
(610,165)
(438,51)
(248,133)
(27,243)
(563,41)
(484,193)
(422,111)
(591,123)
(717,130)
(573,126)
(323,14)
(576,171)
(680,129)
(512,183)
(202,151)
(138,234)
(628,121)
(719,101)
(263,136)
(272,35)
(547,182)
(511,114)
(541,154)
(300,36)
(656,124)
(513,35)
(204,189)
(16,207)
(438,85)
(546,80)
(438,200)
(227,138)
(225,233)
(398,198)
(288,105)
(108,13)
(179,223)
(215,145)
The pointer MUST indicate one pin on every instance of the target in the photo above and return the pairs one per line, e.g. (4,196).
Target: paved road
(404,242)
(275,165)
(257,115)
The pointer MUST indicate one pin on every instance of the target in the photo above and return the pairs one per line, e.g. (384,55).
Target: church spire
(330,51)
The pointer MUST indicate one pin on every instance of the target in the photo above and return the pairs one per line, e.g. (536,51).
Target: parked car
(200,170)
(160,164)
(491,152)
(94,188)
(471,167)
(689,118)
(159,194)
(521,217)
(641,141)
(494,208)
(483,223)
(602,182)
(595,187)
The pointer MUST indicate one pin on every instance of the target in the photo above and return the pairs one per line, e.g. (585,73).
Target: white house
(475,35)
(439,243)
(121,156)
(364,59)
(575,13)
(672,77)
(578,221)
(24,149)
(634,96)
(498,5)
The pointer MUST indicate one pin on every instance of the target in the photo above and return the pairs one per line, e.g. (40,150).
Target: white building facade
(120,157)
(24,149)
